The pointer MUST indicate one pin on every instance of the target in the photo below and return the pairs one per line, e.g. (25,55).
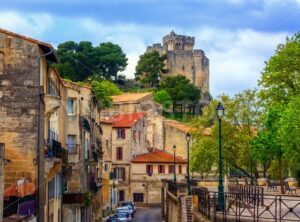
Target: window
(121,195)
(134,135)
(1,63)
(58,188)
(119,173)
(51,189)
(179,169)
(171,169)
(161,169)
(138,197)
(71,106)
(149,170)
(106,167)
(139,135)
(119,153)
(71,144)
(121,133)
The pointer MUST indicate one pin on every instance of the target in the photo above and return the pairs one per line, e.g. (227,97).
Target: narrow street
(148,214)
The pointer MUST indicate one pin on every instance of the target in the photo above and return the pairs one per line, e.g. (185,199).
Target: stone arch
(1,63)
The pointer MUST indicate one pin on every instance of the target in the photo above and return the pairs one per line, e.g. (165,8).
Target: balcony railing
(55,150)
(73,198)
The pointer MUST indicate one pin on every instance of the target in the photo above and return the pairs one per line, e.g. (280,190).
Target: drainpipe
(40,149)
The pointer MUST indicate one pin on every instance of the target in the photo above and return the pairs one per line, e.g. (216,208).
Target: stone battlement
(181,38)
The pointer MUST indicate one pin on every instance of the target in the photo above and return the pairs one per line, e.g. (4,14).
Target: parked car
(127,209)
(123,216)
(113,219)
(124,204)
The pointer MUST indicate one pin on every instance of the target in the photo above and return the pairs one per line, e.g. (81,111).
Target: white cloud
(236,57)
(32,25)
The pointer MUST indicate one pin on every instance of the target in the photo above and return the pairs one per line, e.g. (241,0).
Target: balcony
(55,150)
(52,103)
(73,198)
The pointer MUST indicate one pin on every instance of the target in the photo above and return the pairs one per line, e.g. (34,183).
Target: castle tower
(183,59)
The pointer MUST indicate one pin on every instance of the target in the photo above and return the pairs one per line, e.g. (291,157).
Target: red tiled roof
(157,156)
(123,120)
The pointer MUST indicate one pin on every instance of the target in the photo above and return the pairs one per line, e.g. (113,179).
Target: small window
(183,68)
(134,135)
(1,63)
(180,169)
(119,153)
(119,173)
(71,143)
(171,169)
(149,170)
(71,106)
(161,169)
(106,167)
(121,133)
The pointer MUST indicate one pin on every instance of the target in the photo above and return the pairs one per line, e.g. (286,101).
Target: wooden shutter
(179,169)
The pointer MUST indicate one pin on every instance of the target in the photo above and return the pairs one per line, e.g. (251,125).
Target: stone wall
(18,106)
(183,59)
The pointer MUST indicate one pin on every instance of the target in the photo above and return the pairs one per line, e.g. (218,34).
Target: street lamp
(174,149)
(188,139)
(220,113)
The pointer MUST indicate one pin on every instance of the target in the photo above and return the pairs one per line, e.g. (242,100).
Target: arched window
(1,63)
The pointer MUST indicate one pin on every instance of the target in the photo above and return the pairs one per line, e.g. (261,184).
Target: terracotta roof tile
(157,156)
(123,120)
(129,97)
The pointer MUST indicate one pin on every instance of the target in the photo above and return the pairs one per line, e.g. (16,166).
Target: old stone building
(183,59)
(124,137)
(43,117)
(147,172)
(83,141)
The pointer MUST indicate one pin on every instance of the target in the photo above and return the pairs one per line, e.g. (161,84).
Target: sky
(238,36)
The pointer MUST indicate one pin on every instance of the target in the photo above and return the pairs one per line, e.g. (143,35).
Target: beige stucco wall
(150,186)
(174,136)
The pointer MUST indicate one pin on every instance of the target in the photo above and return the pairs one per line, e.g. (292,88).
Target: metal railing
(248,194)
(55,150)
(272,208)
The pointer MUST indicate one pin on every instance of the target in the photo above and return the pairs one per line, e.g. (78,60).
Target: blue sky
(236,35)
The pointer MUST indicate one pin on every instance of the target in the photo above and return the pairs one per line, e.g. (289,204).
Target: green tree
(79,61)
(104,90)
(163,98)
(149,68)
(280,78)
(110,60)
(180,89)
(242,118)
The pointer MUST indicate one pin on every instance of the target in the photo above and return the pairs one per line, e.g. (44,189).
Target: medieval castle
(183,59)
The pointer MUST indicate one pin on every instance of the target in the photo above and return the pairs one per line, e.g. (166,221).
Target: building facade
(37,130)
(183,59)
(124,137)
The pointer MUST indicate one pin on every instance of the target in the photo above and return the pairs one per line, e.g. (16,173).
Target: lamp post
(220,113)
(188,139)
(174,149)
